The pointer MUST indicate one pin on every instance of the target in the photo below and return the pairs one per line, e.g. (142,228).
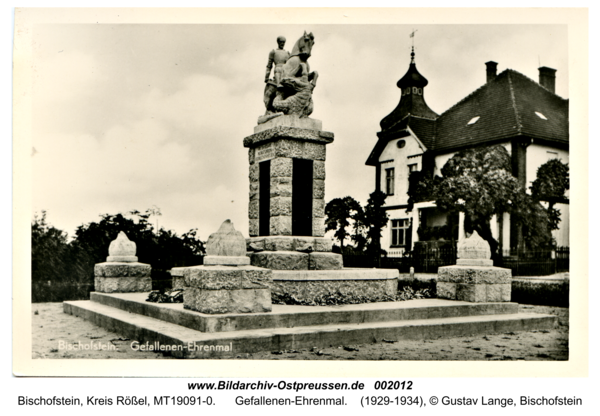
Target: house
(524,116)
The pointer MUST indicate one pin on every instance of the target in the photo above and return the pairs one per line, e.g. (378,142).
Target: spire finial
(412,54)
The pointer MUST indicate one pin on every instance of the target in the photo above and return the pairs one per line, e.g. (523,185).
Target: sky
(137,116)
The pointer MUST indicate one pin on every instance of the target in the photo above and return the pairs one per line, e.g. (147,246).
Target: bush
(419,285)
(544,292)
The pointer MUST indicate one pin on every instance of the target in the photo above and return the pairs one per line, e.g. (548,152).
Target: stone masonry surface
(291,243)
(474,292)
(474,274)
(226,277)
(288,133)
(325,261)
(308,291)
(122,284)
(290,121)
(280,260)
(227,241)
(122,270)
(227,301)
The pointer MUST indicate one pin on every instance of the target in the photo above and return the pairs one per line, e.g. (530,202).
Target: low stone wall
(325,287)
(550,290)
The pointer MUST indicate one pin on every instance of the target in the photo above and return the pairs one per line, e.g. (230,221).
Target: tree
(366,222)
(551,185)
(338,213)
(163,249)
(59,270)
(479,183)
(421,187)
(48,250)
(72,264)
(375,219)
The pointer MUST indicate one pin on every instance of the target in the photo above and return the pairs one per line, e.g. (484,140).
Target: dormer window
(540,115)
(473,120)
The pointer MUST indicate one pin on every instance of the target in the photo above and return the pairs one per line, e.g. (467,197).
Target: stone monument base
(227,300)
(112,277)
(122,284)
(289,243)
(295,260)
(345,286)
(274,120)
(474,283)
(221,289)
(178,282)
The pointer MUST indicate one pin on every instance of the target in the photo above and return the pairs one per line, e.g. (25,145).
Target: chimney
(547,77)
(491,67)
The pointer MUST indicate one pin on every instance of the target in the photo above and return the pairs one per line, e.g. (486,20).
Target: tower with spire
(412,101)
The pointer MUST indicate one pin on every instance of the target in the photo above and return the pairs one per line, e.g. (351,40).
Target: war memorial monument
(227,301)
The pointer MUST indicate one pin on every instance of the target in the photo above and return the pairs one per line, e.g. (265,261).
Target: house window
(412,168)
(399,232)
(552,155)
(389,181)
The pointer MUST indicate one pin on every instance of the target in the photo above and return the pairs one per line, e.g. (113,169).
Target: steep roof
(510,105)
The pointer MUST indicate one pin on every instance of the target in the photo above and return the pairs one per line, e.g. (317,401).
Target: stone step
(188,343)
(289,316)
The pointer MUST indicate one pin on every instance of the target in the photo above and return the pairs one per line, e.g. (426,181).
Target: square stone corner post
(122,277)
(121,272)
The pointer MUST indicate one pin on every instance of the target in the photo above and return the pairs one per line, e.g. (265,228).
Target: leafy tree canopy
(72,263)
(375,219)
(162,249)
(552,182)
(479,183)
(338,213)
(366,223)
(551,186)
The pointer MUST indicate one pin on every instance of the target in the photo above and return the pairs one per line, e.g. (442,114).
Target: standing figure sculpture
(290,90)
(277,58)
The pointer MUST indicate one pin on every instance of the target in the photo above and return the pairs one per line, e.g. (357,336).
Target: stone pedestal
(346,286)
(474,283)
(294,160)
(473,278)
(227,289)
(287,218)
(287,214)
(121,272)
(226,283)
(178,282)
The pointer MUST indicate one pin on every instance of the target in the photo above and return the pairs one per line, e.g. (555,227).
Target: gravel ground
(53,330)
